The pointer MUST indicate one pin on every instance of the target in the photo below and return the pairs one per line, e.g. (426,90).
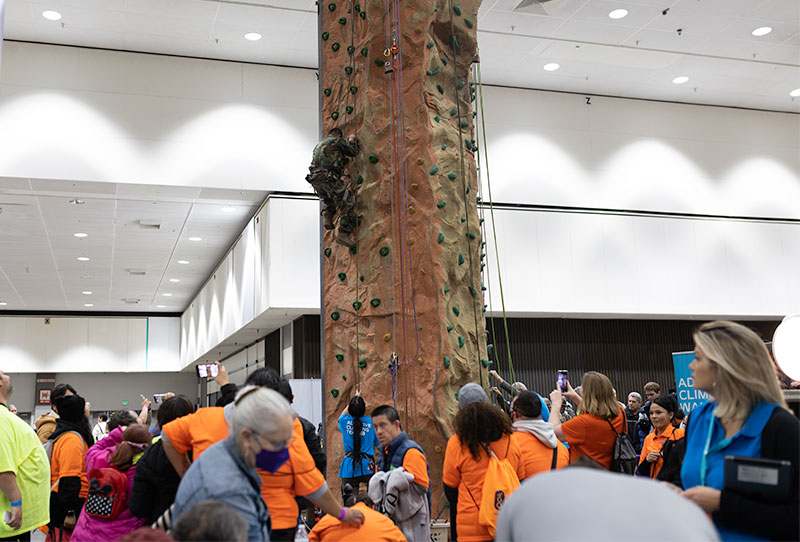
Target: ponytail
(356,409)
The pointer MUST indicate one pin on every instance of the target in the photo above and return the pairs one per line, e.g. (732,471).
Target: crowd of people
(250,468)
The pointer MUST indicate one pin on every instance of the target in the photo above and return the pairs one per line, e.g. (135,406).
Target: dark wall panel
(272,350)
(306,347)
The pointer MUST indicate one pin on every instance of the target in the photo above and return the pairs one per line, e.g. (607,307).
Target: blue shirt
(369,440)
(706,429)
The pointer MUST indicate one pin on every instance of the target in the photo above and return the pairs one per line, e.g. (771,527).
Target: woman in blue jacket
(360,441)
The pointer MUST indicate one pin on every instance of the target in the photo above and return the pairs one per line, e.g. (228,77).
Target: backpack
(624,460)
(50,444)
(500,481)
(108,493)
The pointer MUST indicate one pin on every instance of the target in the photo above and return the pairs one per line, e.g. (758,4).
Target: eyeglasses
(275,444)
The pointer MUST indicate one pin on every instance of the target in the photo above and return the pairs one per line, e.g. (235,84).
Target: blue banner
(688,397)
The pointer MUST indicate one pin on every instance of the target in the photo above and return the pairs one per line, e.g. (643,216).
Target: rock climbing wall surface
(397,75)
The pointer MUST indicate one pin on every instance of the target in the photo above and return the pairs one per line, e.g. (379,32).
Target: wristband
(15,504)
(344,513)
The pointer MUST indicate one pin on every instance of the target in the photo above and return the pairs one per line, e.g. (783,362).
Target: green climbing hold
(461,84)
(441,204)
(375,301)
(444,146)
(344,377)
(335,315)
(373,159)
(460,341)
(489,348)
(467,190)
(464,123)
(456,395)
(447,362)
(484,362)
(446,289)
(331,7)
(362,363)
(325,36)
(472,290)
(434,71)
(353,250)
(483,288)
(340,357)
(342,276)
(335,392)
(440,88)
(455,42)
(356,305)
(348,70)
(436,118)
(449,328)
(470,235)
(456,311)
(364,51)
(342,20)
(361,278)
(440,239)
(480,221)
(460,259)
(444,60)
(483,309)
(384,251)
(359,179)
(335,115)
(350,49)
(327,252)
(457,10)
(451,176)
(363,14)
(434,170)
(335,46)
(357,7)
(348,109)
(463,219)
(429,45)
(469,23)
(379,62)
(326,91)
(454,112)
(353,89)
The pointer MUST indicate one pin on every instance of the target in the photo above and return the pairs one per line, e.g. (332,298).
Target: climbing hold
(387,337)
(444,60)
(361,278)
(363,14)
(440,88)
(422,270)
(419,360)
(342,20)
(335,315)
(446,289)
(483,309)
(375,301)
(363,51)
(350,49)
(436,118)
(460,259)
(335,46)
(480,221)
(348,109)
(359,179)
(470,235)
(362,363)
(339,357)
(373,159)
(348,70)
(451,176)
(461,84)
(463,219)
(457,10)
(356,7)
(489,348)
(420,161)
(440,239)
(335,115)
(414,186)
(342,276)
(356,305)
(472,290)
(379,62)
(460,341)
(434,170)
(335,392)
(478,199)
(484,362)
(456,311)
(456,395)
(438,448)
(444,146)
(441,204)
(447,362)
(344,377)
(353,250)
(411,241)
(449,328)
(326,91)
(325,36)
(332,7)
(467,190)
(434,71)
(463,123)
(411,210)
(455,42)
(429,45)
(483,288)
(327,252)
(469,23)
(453,112)
(384,251)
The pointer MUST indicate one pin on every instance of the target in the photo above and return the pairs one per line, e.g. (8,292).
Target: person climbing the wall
(327,177)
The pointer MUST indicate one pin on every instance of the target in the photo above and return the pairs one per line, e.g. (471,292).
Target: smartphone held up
(207,370)
(562,380)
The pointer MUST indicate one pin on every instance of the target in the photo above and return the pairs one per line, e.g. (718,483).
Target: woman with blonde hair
(748,417)
(600,418)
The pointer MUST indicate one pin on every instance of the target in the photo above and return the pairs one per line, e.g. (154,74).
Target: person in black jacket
(155,482)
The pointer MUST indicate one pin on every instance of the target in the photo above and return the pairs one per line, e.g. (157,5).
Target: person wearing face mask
(662,414)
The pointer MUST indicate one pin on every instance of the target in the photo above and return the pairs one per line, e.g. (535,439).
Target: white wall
(77,345)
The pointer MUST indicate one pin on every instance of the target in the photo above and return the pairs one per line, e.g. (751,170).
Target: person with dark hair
(359,440)
(99,430)
(541,450)
(119,451)
(210,521)
(155,481)
(122,418)
(662,413)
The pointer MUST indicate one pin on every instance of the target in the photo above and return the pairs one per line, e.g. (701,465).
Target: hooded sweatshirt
(537,442)
(45,425)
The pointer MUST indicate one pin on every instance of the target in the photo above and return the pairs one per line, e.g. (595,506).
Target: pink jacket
(92,529)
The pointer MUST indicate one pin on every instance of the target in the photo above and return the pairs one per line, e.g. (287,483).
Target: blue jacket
(221,474)
(369,441)
(392,456)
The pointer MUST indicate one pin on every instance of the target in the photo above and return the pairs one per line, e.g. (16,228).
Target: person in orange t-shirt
(376,528)
(662,414)
(593,432)
(466,462)
(541,450)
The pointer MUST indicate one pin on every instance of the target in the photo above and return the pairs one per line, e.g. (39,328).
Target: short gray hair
(210,520)
(259,409)
(636,396)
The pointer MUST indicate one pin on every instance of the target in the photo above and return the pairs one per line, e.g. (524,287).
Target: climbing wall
(403,310)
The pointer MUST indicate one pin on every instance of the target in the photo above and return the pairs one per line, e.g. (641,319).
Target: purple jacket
(92,529)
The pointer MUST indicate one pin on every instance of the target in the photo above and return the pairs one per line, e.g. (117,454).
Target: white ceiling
(39,269)
(637,56)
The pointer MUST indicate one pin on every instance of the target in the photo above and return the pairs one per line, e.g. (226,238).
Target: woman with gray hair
(260,434)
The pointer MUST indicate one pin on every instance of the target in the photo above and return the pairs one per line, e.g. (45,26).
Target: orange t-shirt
(537,456)
(414,462)
(69,459)
(197,431)
(655,443)
(590,435)
(462,471)
(298,476)
(376,528)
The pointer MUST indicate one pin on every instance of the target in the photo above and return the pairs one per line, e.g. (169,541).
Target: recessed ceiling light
(80,235)
(3,303)
(174,280)
(762,31)
(88,305)
(87,292)
(228,209)
(618,13)
(252,36)
(77,201)
(83,259)
(795,93)
(183,262)
(551,67)
(51,15)
(160,306)
(195,239)
(167,295)
(680,80)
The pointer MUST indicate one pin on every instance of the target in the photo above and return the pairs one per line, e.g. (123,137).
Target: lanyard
(708,449)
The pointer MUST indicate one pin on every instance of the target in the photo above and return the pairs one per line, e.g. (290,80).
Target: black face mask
(71,407)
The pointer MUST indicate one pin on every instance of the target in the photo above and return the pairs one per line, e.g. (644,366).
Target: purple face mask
(271,461)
